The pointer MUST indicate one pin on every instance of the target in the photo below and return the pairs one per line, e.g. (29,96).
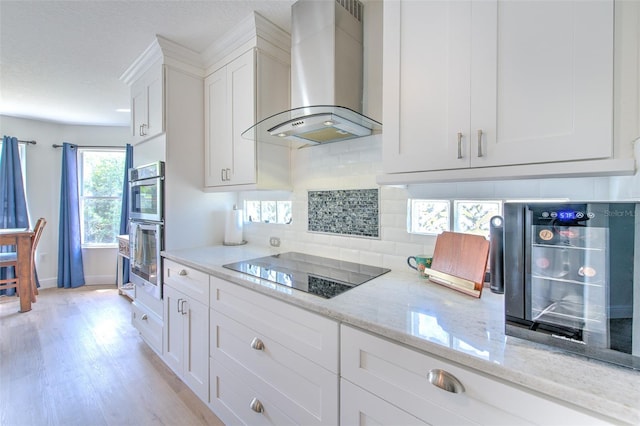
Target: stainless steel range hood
(326,78)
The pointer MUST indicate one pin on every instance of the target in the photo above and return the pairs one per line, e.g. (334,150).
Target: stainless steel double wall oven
(146,226)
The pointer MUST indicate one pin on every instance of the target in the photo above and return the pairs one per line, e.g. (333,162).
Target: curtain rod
(27,142)
(55,145)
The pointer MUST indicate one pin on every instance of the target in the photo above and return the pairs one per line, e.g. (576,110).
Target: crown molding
(253,31)
(167,52)
(248,32)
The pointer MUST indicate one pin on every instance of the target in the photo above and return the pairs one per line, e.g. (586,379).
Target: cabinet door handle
(183,273)
(227,172)
(142,131)
(256,405)
(479,142)
(184,311)
(180,306)
(459,145)
(445,381)
(257,344)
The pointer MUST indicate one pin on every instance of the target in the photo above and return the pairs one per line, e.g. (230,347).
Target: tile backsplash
(354,212)
(354,164)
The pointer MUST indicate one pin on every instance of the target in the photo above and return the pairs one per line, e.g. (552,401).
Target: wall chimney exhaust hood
(326,78)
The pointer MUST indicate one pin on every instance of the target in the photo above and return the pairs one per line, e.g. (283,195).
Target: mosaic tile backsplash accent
(345,212)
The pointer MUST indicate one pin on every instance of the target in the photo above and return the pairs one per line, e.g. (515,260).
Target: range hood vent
(326,78)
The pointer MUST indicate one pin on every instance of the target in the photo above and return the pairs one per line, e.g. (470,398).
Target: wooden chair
(11,259)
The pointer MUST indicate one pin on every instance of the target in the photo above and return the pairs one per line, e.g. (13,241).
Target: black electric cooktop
(321,276)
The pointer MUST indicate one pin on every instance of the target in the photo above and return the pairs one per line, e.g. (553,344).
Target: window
(473,217)
(431,217)
(100,175)
(267,211)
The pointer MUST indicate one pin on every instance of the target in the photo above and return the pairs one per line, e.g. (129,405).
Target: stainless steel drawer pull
(257,344)
(445,381)
(182,272)
(256,405)
(144,317)
(480,143)
(459,145)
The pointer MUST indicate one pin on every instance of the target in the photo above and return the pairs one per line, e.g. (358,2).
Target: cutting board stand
(459,262)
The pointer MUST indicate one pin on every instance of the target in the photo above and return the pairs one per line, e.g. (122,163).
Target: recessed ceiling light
(123,110)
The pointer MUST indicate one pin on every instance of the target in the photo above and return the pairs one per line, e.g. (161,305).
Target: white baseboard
(88,280)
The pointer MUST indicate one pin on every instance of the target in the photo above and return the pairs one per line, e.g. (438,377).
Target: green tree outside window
(101,174)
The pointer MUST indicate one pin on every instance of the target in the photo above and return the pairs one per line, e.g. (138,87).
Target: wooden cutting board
(460,262)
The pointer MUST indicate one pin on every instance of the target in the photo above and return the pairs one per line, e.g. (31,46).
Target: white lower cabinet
(149,324)
(186,342)
(237,401)
(271,362)
(383,370)
(147,317)
(256,360)
(359,407)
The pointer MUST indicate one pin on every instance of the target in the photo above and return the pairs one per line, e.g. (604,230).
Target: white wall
(43,189)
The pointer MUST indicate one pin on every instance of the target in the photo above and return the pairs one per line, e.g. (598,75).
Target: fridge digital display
(566,215)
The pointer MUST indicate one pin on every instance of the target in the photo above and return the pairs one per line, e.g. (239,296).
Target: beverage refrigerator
(572,277)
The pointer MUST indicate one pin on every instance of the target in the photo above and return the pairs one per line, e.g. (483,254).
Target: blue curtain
(124,213)
(12,198)
(70,269)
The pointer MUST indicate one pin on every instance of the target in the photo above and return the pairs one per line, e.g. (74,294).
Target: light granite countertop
(404,308)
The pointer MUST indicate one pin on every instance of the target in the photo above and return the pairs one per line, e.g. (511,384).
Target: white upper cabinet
(490,89)
(218,157)
(147,104)
(247,85)
(230,110)
(544,91)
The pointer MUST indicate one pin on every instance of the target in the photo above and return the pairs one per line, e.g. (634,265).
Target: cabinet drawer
(308,334)
(147,300)
(399,375)
(232,395)
(189,281)
(302,389)
(148,324)
(359,407)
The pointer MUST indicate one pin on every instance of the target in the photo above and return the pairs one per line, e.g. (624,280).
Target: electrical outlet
(274,241)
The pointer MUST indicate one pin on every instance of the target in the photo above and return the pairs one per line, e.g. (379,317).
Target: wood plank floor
(75,359)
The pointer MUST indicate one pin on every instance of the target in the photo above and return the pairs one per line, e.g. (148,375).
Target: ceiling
(61,61)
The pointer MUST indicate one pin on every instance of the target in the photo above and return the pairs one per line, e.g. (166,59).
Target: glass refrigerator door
(569,280)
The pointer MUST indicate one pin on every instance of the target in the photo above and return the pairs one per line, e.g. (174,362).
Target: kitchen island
(402,308)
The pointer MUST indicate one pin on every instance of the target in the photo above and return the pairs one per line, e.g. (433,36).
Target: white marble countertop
(402,307)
